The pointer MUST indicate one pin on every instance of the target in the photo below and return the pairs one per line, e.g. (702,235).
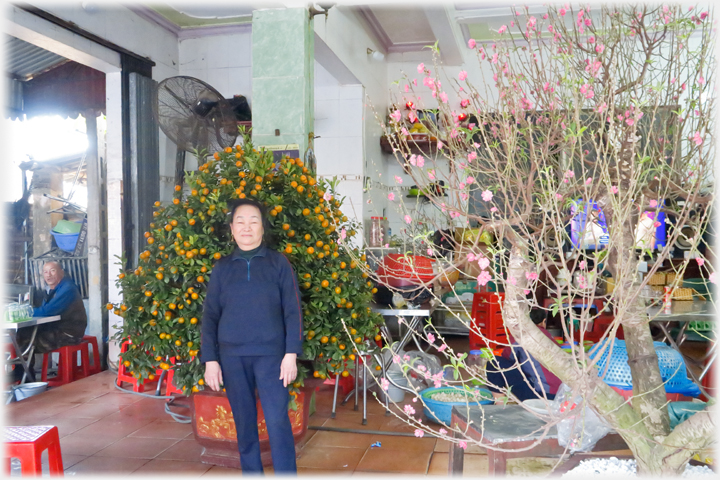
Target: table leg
(456,457)
(24,357)
(337,383)
(378,358)
(497,462)
(365,369)
(357,380)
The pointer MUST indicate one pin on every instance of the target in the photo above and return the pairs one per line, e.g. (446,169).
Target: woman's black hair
(236,203)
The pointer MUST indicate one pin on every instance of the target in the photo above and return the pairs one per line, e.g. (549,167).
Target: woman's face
(247,228)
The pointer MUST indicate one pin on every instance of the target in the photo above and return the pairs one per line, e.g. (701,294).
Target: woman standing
(252,335)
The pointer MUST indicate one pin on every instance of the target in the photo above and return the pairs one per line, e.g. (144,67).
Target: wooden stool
(96,367)
(27,445)
(67,371)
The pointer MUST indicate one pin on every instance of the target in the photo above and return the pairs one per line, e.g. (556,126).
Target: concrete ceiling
(399,28)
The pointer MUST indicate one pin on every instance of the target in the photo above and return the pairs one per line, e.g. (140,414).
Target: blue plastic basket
(65,241)
(441,412)
(672,368)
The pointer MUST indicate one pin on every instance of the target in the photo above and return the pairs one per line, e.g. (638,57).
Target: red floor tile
(132,447)
(108,465)
(381,460)
(160,429)
(185,450)
(331,458)
(172,467)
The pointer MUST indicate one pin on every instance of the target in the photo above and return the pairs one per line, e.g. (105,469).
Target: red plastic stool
(123,374)
(67,370)
(27,445)
(96,367)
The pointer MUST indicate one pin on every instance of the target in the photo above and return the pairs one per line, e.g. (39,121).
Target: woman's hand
(213,376)
(288,369)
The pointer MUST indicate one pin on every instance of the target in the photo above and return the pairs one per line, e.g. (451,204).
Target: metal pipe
(369,432)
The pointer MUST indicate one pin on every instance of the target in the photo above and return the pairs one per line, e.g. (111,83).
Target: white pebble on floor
(615,467)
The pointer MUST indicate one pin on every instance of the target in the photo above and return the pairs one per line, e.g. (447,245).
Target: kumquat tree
(163,297)
(587,131)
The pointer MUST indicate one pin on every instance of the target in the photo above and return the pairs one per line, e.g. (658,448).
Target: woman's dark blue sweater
(252,307)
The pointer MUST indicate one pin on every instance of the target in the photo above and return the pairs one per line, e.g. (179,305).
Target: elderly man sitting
(63,298)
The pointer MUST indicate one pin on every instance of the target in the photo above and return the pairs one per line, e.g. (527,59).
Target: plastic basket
(65,241)
(700,326)
(672,368)
(441,412)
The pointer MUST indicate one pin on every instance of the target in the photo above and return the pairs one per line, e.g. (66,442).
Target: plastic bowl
(65,241)
(441,412)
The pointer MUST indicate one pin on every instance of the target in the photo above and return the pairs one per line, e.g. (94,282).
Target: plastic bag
(422,366)
(580,428)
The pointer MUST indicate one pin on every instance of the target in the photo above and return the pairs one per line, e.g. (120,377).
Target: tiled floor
(105,431)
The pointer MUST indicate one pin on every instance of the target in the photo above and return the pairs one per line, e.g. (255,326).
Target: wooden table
(23,358)
(510,427)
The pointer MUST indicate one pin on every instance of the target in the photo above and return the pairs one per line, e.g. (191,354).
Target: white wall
(222,61)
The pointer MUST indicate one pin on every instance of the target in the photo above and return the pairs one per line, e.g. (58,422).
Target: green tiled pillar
(283,61)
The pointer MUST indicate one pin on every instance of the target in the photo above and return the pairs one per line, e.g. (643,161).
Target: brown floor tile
(185,450)
(114,427)
(317,419)
(353,421)
(340,439)
(411,444)
(221,471)
(395,461)
(332,458)
(119,399)
(40,409)
(111,465)
(473,465)
(443,445)
(66,425)
(132,447)
(91,410)
(172,467)
(158,429)
(308,471)
(70,460)
(78,443)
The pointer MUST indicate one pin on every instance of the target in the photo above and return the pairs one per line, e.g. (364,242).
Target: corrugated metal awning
(24,61)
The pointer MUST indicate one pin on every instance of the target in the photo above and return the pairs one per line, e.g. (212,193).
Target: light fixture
(409,105)
(462,117)
(375,55)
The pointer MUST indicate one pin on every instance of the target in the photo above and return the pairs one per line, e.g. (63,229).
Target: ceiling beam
(442,28)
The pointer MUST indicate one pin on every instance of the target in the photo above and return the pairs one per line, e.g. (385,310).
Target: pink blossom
(558,196)
(462,186)
(487,195)
(421,68)
(384,384)
(419,433)
(697,138)
(431,338)
(472,156)
(415,81)
(583,264)
(414,400)
(569,174)
(412,117)
(483,278)
(431,174)
(442,431)
(713,278)
(591,40)
(512,280)
(443,97)
(404,131)
(462,75)
(656,224)
(462,445)
(407,88)
(562,12)
(391,196)
(398,179)
(471,43)
(502,29)
(614,189)
(420,161)
(464,103)
(430,252)
(531,276)
(495,59)
(413,160)
(440,145)
(588,181)
(600,48)
(408,219)
(442,347)
(483,262)
(700,261)
(343,234)
(470,180)
(327,197)
(494,209)
(653,203)
(396,116)
(429,82)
